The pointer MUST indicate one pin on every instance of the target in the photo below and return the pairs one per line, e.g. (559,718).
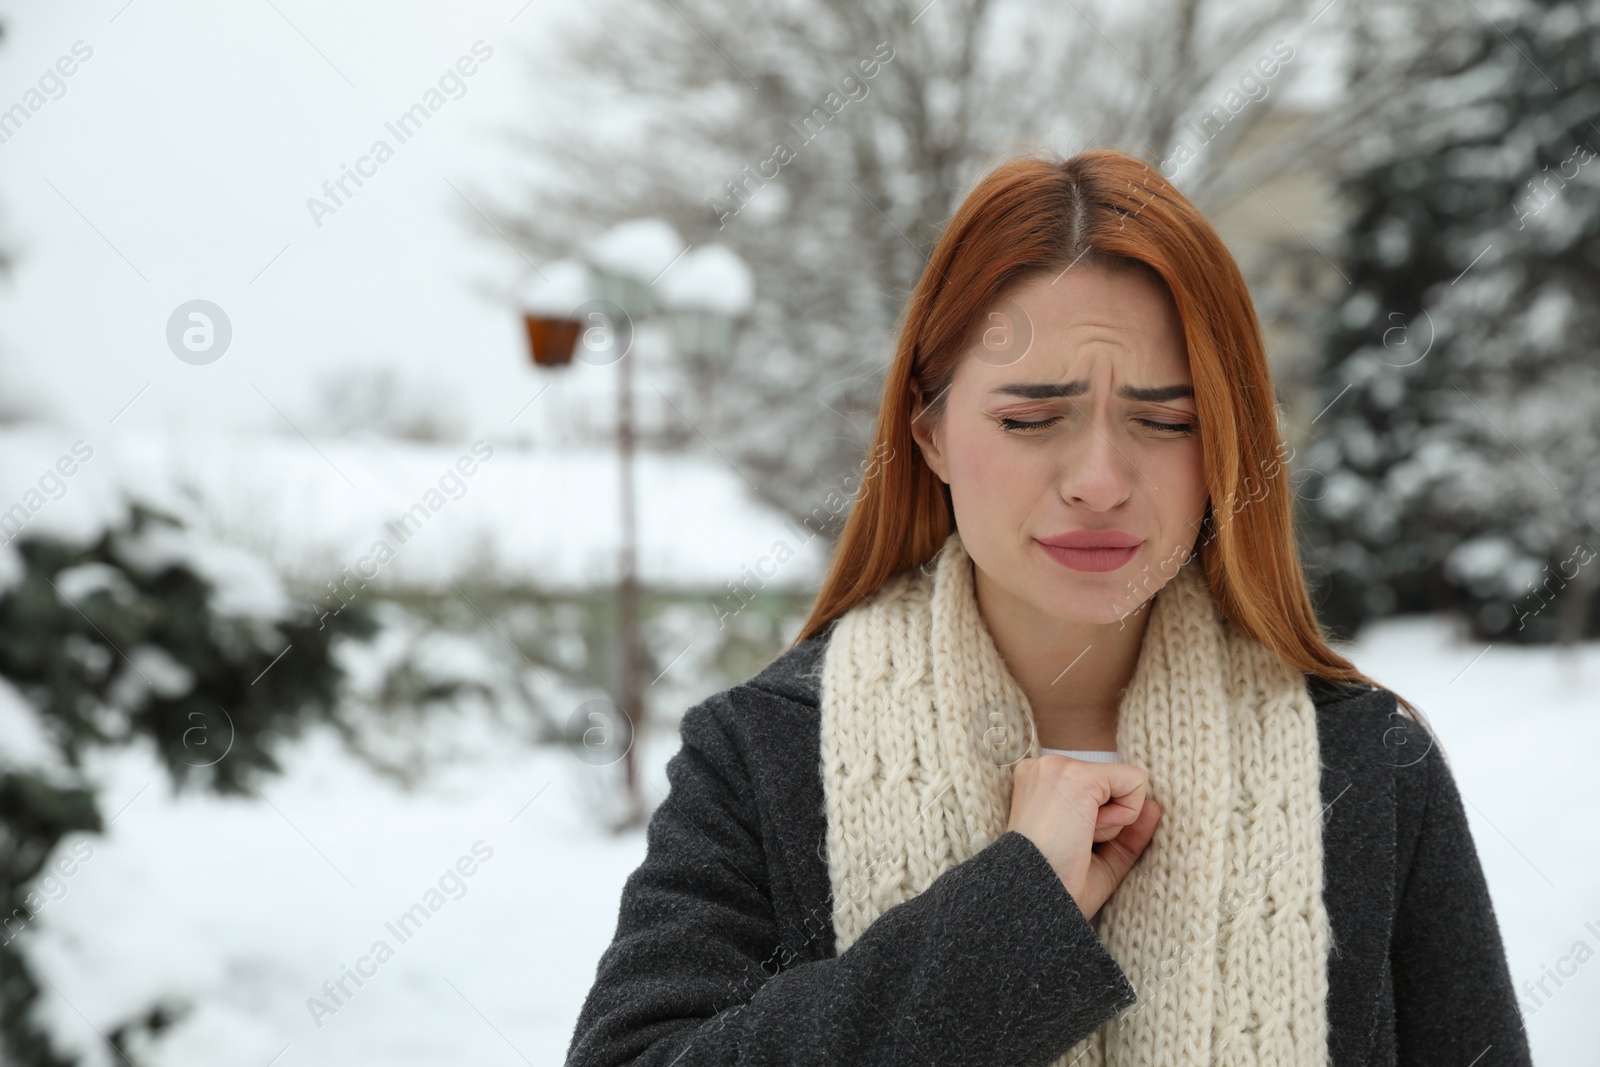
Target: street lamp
(706,294)
(548,309)
(631,274)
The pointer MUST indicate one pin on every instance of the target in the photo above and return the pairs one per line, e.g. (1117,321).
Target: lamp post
(633,273)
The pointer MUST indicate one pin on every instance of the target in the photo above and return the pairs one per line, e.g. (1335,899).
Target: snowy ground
(549,515)
(249,907)
(1522,730)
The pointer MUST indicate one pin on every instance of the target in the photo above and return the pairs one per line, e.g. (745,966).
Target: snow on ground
(249,906)
(1521,727)
(546,515)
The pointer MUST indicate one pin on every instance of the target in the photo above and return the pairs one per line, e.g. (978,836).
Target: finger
(1112,820)
(1121,852)
(1116,815)
(1138,833)
(1117,858)
(1124,781)
(1122,810)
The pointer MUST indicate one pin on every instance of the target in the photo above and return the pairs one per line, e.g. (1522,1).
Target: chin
(1111,611)
(1096,598)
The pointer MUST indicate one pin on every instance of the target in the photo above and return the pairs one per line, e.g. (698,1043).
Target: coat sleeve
(1453,996)
(993,963)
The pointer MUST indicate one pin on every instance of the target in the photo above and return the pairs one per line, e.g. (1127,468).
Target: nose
(1095,473)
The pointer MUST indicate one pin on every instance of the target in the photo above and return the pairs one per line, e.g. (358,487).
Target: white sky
(177,166)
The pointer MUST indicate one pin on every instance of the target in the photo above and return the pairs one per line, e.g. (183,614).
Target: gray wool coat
(724,952)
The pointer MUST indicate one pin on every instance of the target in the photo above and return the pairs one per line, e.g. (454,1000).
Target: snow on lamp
(705,293)
(551,306)
(628,258)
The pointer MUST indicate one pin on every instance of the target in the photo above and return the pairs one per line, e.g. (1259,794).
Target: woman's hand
(1091,820)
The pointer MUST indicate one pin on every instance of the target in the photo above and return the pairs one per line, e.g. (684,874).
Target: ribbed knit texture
(1220,926)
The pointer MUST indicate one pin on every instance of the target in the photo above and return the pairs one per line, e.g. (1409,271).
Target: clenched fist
(1091,820)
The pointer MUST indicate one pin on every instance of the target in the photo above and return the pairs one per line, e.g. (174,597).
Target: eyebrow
(1049,390)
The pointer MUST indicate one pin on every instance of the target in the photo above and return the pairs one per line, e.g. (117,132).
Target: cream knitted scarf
(1220,926)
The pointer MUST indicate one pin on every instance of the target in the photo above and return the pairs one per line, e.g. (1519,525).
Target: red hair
(1103,210)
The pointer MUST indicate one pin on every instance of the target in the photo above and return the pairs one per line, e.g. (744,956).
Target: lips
(1091,550)
(1093,539)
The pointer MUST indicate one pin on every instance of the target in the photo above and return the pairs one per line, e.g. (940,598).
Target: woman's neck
(1072,673)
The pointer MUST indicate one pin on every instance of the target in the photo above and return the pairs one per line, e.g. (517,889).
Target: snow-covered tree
(143,634)
(1461,378)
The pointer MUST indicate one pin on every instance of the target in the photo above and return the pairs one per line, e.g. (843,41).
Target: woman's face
(1074,414)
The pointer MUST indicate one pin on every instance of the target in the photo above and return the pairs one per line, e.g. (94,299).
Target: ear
(927,437)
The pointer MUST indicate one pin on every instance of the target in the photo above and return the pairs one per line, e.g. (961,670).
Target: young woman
(1061,769)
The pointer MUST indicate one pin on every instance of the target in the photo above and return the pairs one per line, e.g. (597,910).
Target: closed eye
(1169,427)
(1022,426)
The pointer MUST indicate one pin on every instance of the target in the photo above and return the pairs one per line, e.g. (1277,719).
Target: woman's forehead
(1054,323)
(1138,365)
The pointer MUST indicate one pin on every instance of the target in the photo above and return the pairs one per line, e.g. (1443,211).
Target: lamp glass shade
(634,297)
(700,332)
